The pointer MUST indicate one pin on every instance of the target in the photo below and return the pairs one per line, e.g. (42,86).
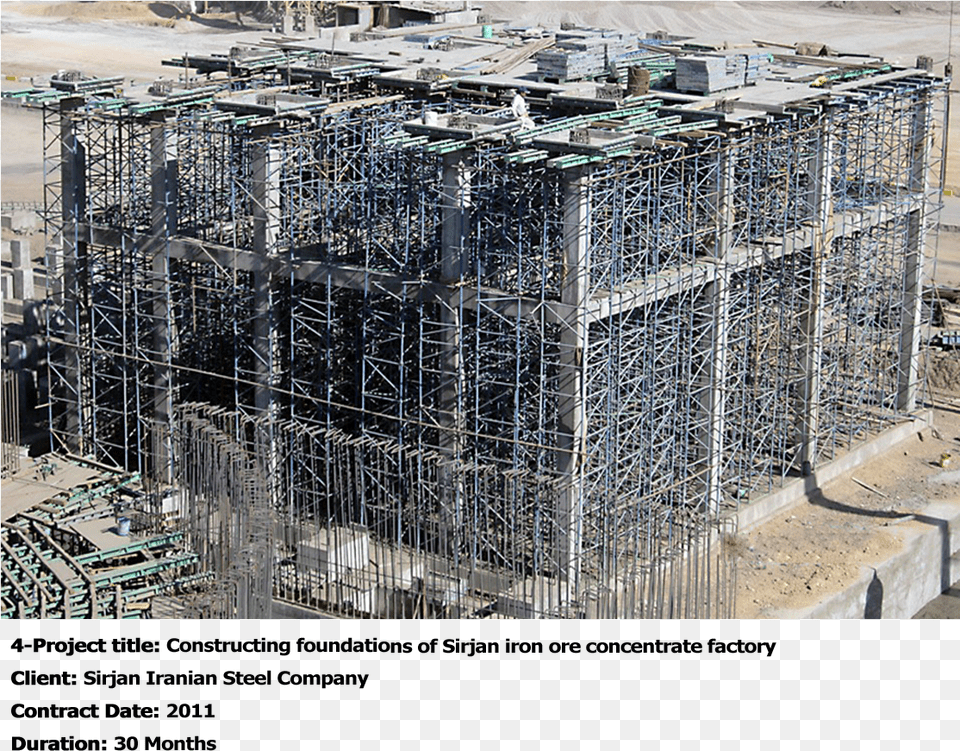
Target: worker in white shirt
(520,111)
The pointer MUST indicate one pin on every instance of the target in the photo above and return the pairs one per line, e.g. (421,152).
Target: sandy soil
(153,14)
(804,554)
(948,255)
(899,31)
(943,376)
(21,150)
(105,38)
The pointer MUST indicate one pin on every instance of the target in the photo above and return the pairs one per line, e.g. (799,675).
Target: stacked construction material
(706,74)
(616,43)
(583,54)
(758,64)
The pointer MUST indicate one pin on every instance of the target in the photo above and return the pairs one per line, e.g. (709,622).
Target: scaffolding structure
(10,423)
(391,354)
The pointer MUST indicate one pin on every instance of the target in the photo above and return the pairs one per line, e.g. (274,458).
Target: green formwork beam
(578,121)
(403,140)
(58,508)
(638,122)
(133,547)
(526,156)
(155,589)
(145,569)
(576,160)
(106,599)
(682,127)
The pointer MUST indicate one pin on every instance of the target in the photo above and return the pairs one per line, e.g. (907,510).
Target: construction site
(425,314)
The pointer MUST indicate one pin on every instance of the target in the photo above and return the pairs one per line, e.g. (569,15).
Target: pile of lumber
(505,60)
(758,65)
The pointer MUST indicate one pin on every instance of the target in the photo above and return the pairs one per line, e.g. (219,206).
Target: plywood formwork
(540,365)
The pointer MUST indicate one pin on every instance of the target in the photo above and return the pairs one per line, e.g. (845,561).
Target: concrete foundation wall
(900,586)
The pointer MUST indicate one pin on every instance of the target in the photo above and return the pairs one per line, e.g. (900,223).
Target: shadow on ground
(873,607)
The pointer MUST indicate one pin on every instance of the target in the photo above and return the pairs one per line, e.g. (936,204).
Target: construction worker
(520,111)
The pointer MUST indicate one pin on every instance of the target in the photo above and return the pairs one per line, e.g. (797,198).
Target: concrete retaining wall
(928,562)
(282,610)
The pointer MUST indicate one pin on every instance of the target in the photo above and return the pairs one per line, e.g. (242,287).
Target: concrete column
(455,217)
(821,204)
(575,292)
(913,261)
(53,263)
(717,294)
(265,189)
(20,254)
(22,263)
(163,227)
(74,249)
(23,288)
(266,229)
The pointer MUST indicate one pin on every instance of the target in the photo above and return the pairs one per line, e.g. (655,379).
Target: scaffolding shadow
(874,595)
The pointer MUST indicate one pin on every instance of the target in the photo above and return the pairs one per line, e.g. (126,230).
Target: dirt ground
(948,254)
(797,557)
(42,38)
(804,554)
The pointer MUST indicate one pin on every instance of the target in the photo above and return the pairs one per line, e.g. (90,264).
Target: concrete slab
(103,534)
